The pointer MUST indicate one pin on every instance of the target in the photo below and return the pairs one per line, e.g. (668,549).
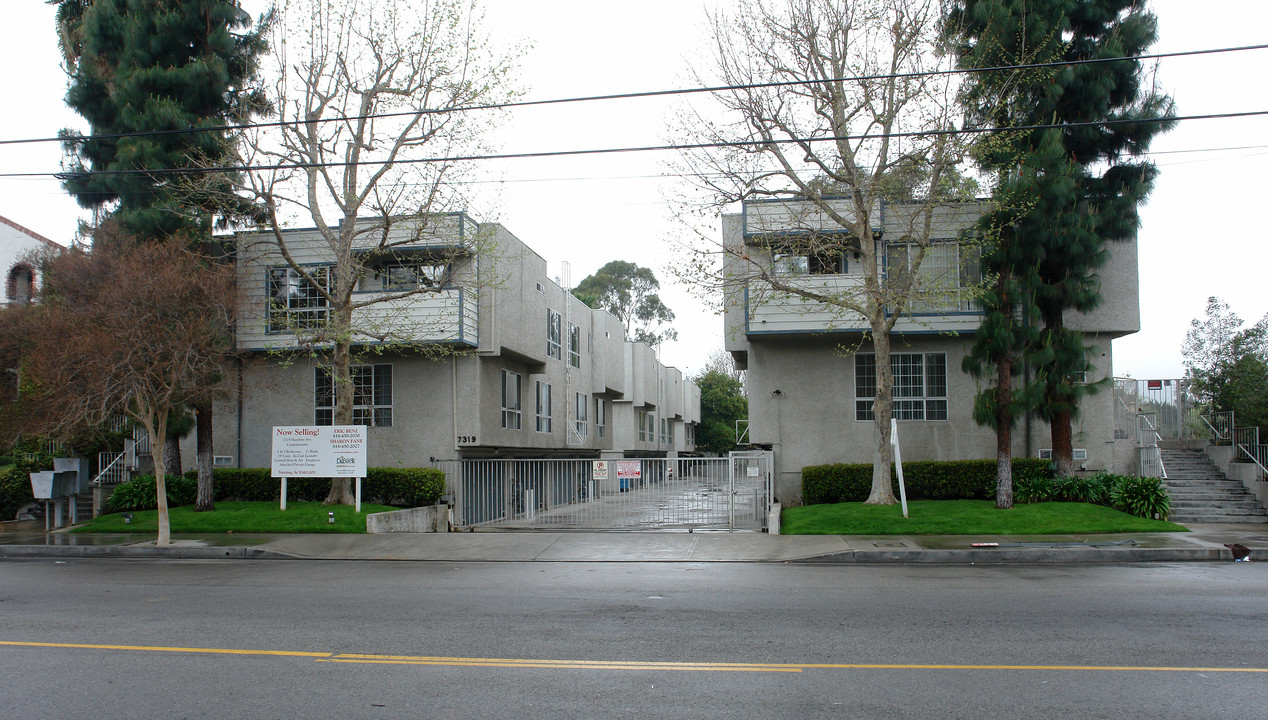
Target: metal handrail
(1263,471)
(118,457)
(741,431)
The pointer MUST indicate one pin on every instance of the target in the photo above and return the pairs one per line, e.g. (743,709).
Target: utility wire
(645,148)
(629,96)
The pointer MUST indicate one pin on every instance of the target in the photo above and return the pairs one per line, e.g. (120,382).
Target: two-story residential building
(494,360)
(811,369)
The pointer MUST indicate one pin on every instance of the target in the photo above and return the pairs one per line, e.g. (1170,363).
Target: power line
(645,148)
(634,95)
(667,176)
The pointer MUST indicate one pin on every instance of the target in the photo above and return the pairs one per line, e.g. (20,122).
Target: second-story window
(510,400)
(600,417)
(574,345)
(543,407)
(295,303)
(946,281)
(554,335)
(413,276)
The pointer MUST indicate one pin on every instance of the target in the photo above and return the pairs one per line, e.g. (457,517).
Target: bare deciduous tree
(136,330)
(378,92)
(828,114)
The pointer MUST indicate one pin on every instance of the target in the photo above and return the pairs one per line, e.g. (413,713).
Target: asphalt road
(281,639)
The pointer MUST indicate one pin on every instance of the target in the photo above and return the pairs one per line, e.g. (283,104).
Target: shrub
(139,493)
(925,480)
(1140,496)
(399,487)
(404,487)
(1033,486)
(15,492)
(1094,489)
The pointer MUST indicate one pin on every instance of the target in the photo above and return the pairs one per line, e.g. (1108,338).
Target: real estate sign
(324,451)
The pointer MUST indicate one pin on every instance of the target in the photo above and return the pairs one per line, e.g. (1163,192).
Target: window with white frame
(543,407)
(947,279)
(582,427)
(371,395)
(510,400)
(600,417)
(920,386)
(665,431)
(295,303)
(642,426)
(574,345)
(554,335)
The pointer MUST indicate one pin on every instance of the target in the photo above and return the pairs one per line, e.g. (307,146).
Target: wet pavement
(1202,543)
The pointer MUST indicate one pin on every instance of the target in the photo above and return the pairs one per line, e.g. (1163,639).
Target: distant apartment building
(495,360)
(811,369)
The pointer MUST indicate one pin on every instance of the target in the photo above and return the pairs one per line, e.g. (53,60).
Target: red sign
(1155,384)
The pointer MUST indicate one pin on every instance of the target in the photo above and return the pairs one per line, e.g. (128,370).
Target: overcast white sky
(1199,236)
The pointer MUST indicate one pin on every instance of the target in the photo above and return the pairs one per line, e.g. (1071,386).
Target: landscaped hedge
(975,480)
(398,487)
(925,480)
(15,491)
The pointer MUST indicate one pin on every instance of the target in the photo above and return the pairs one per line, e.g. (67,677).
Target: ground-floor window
(543,407)
(920,386)
(371,395)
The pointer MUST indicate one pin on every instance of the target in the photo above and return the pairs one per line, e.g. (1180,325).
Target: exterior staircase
(1200,493)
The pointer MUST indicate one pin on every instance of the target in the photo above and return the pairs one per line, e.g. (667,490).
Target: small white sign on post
(322,451)
(898,462)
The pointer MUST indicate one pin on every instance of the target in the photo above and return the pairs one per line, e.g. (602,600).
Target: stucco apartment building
(508,363)
(810,370)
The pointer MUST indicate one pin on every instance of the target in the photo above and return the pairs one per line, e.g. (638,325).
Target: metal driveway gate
(729,493)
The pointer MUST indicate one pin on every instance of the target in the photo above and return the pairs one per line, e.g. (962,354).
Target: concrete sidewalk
(1203,543)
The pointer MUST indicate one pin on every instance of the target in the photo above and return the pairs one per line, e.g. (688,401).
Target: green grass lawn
(964,517)
(243,517)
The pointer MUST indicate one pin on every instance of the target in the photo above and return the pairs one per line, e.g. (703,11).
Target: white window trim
(863,403)
(512,413)
(543,408)
(369,414)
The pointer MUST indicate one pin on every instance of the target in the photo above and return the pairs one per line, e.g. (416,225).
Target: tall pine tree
(158,82)
(1061,193)
(161,69)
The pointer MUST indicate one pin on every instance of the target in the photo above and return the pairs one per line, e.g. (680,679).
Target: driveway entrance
(728,493)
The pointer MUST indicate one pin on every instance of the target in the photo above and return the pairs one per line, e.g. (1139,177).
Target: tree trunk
(1063,443)
(160,478)
(341,492)
(883,411)
(1004,436)
(206,479)
(171,456)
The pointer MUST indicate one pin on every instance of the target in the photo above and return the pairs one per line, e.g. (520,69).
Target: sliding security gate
(730,493)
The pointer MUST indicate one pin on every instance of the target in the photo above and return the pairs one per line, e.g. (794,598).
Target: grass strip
(243,517)
(965,517)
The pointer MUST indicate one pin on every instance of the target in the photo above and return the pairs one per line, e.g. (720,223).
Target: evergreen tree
(1065,192)
(161,69)
(144,74)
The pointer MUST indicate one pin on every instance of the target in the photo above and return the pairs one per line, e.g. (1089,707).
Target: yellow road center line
(618,664)
(160,648)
